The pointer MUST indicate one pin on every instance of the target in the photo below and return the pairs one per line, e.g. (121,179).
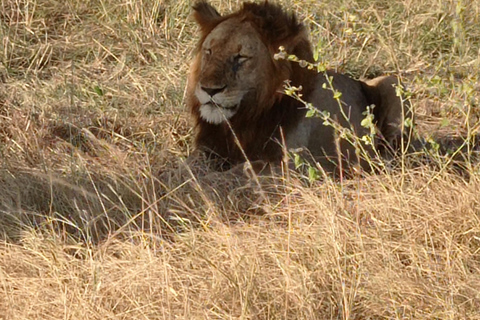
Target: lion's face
(234,67)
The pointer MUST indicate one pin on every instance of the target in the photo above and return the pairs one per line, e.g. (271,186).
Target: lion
(236,95)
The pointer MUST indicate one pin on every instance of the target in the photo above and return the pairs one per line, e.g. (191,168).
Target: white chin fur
(215,115)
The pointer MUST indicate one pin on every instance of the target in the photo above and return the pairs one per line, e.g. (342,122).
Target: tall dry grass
(100,220)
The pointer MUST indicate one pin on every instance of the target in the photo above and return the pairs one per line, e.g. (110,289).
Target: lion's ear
(205,15)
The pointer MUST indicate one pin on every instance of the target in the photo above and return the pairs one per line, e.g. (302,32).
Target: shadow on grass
(97,206)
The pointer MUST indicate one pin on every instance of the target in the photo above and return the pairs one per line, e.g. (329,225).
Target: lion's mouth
(215,114)
(216,104)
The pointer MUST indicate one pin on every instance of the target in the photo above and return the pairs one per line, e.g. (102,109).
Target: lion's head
(229,70)
(235,77)
(234,69)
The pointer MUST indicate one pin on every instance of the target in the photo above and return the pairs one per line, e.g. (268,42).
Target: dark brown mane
(275,25)
(259,133)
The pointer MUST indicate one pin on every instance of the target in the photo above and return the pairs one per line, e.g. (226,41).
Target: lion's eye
(207,52)
(238,60)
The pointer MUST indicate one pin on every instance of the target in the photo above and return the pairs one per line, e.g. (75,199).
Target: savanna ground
(98,222)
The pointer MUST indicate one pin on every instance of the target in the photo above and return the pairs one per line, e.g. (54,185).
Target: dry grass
(99,222)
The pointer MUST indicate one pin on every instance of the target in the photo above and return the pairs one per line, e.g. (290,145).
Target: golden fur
(235,92)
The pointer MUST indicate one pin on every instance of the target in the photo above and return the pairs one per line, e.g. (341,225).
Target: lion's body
(235,92)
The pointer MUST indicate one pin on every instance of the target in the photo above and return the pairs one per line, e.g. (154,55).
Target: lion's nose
(213,91)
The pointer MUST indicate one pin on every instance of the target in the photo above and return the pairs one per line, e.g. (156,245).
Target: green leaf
(311,113)
(321,68)
(325,114)
(408,123)
(366,122)
(297,160)
(98,90)
(313,174)
(292,58)
(434,145)
(445,122)
(367,140)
